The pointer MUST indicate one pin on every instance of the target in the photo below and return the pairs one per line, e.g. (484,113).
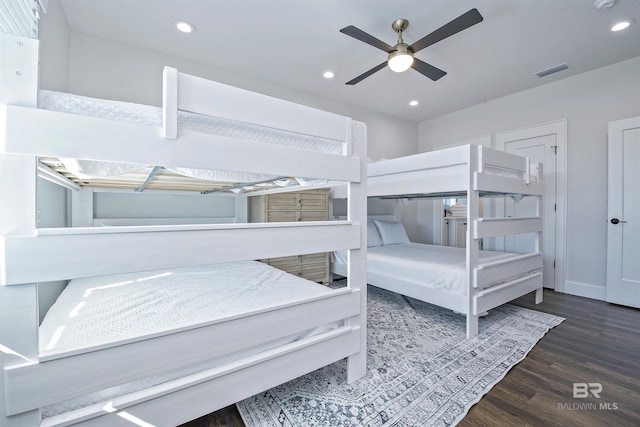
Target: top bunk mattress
(101,310)
(128,112)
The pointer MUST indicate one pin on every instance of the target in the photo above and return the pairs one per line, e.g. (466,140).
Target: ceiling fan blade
(367,74)
(462,22)
(428,70)
(357,33)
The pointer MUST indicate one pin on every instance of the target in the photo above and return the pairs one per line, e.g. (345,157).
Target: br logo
(583,390)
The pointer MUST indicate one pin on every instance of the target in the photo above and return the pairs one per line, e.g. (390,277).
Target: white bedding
(187,122)
(104,309)
(108,308)
(440,267)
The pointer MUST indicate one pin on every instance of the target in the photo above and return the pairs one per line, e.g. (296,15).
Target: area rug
(421,369)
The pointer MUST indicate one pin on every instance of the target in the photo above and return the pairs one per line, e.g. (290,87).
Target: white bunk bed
(489,279)
(213,361)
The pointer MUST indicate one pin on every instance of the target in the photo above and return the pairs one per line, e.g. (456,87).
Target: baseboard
(585,290)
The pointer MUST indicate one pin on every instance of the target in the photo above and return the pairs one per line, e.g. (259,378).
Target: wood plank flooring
(598,343)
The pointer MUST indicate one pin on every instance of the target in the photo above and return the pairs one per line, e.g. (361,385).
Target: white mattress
(187,122)
(108,308)
(440,267)
(105,309)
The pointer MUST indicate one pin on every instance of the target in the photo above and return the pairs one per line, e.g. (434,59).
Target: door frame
(559,129)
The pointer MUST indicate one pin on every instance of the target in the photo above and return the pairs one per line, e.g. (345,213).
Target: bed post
(539,234)
(241,208)
(357,273)
(82,207)
(19,303)
(170,102)
(473,211)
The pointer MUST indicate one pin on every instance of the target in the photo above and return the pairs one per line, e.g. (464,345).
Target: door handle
(615,221)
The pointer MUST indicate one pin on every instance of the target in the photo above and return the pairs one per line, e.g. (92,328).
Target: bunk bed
(173,369)
(467,280)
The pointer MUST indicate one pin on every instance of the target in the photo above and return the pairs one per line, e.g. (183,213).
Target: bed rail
(62,135)
(499,271)
(455,170)
(492,227)
(419,162)
(505,292)
(113,250)
(487,182)
(190,93)
(64,376)
(488,157)
(254,374)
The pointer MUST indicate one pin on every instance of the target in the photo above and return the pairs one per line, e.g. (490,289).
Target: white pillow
(373,238)
(392,233)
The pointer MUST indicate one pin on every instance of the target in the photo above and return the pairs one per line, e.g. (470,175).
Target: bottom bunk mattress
(439,267)
(101,310)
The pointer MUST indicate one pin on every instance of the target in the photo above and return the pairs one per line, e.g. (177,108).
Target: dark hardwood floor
(597,344)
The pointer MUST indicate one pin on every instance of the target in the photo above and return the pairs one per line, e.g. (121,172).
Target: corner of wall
(54,34)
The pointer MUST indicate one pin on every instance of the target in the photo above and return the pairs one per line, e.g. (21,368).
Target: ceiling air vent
(552,70)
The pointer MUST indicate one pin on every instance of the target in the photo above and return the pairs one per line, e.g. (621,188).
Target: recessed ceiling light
(328,75)
(185,27)
(413,103)
(621,25)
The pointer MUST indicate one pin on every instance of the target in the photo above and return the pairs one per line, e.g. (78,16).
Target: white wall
(54,49)
(147,204)
(52,211)
(588,101)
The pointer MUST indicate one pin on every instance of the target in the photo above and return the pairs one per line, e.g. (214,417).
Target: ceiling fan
(401,55)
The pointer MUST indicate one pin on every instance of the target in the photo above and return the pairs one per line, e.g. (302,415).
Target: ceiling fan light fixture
(400,59)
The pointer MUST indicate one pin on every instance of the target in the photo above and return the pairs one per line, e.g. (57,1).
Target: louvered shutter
(20,17)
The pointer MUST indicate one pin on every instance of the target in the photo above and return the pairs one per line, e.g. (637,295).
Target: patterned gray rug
(421,369)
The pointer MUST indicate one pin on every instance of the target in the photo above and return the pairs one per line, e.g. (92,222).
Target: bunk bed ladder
(481,275)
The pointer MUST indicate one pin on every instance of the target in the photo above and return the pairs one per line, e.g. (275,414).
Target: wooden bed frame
(470,171)
(31,257)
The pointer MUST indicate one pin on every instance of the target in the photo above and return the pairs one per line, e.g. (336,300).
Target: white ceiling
(292,42)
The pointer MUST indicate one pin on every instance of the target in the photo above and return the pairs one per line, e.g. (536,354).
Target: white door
(540,144)
(623,234)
